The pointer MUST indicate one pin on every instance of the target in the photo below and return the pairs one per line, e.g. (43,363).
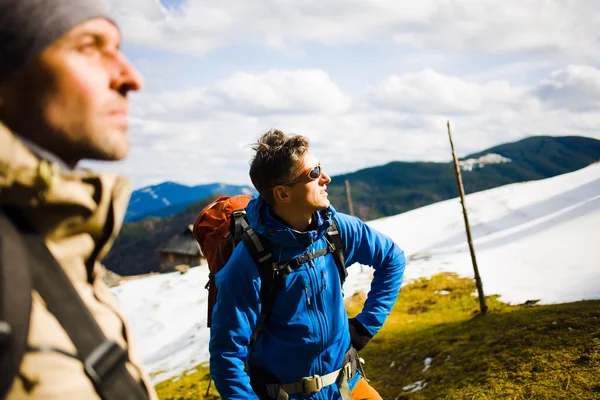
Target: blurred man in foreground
(63,98)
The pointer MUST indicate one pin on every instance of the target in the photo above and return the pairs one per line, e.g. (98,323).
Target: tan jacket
(79,213)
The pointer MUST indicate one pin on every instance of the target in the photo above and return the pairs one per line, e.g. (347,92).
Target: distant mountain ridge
(170,198)
(382,190)
(396,187)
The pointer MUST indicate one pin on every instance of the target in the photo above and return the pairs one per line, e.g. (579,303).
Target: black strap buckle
(239,213)
(104,360)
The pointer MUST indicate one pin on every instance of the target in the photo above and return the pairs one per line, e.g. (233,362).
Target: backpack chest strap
(298,261)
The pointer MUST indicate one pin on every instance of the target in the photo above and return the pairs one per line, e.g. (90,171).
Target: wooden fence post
(349,196)
(482,303)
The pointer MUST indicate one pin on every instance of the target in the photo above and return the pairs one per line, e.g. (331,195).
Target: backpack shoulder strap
(103,359)
(15,302)
(260,251)
(333,236)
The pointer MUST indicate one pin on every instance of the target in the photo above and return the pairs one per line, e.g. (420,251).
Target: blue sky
(368,81)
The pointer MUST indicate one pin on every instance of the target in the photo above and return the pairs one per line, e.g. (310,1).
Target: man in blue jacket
(307,347)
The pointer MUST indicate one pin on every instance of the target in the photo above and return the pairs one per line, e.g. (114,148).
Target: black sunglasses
(312,174)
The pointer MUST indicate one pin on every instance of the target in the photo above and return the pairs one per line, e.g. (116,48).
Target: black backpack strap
(260,250)
(334,239)
(272,275)
(103,359)
(306,257)
(15,302)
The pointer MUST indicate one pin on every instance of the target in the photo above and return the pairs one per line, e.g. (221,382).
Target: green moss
(192,384)
(514,352)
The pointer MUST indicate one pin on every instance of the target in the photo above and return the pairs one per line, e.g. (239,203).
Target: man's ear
(280,194)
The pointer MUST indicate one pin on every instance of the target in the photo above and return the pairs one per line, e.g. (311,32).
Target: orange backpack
(221,225)
(211,231)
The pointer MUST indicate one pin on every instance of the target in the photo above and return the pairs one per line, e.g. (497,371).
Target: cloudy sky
(368,81)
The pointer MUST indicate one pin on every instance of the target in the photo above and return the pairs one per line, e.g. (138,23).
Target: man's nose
(129,78)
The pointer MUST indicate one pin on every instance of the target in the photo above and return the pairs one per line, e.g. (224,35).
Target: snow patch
(168,316)
(491,158)
(150,192)
(415,387)
(427,363)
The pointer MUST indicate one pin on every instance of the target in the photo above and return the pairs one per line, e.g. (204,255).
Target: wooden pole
(349,196)
(482,303)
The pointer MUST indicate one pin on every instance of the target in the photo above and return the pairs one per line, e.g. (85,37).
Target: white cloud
(551,27)
(495,27)
(427,92)
(430,92)
(282,91)
(272,92)
(576,88)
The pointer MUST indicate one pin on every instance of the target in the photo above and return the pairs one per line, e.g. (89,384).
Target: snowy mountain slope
(534,240)
(168,315)
(169,198)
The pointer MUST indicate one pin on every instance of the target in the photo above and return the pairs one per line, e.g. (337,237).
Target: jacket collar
(43,154)
(262,219)
(61,203)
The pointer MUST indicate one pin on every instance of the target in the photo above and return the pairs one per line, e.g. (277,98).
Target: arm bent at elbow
(365,245)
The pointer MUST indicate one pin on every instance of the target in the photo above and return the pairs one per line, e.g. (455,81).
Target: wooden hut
(180,251)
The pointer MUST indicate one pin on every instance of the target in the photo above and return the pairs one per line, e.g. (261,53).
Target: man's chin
(115,153)
(116,148)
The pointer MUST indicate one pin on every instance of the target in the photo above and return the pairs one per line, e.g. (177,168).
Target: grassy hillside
(515,352)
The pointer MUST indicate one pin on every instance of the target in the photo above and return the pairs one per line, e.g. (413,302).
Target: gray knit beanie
(27,27)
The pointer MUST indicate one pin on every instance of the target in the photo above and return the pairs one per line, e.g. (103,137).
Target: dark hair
(275,161)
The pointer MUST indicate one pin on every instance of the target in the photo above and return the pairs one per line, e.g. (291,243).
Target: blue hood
(264,221)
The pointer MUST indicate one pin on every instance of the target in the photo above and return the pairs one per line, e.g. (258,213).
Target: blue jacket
(307,331)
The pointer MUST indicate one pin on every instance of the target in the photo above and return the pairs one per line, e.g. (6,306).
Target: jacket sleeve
(365,245)
(233,322)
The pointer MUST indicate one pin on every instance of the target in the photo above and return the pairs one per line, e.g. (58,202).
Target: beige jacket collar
(62,203)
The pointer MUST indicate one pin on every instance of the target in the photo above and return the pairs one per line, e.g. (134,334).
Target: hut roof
(182,243)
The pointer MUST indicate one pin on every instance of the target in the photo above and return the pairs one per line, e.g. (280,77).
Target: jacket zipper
(307,296)
(324,309)
(314,277)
